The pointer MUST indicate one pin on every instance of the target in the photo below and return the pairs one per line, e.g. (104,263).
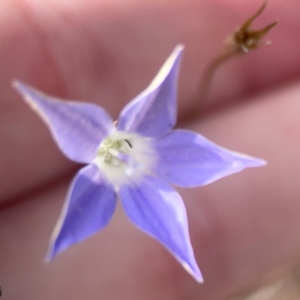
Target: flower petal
(78,128)
(154,112)
(89,207)
(157,209)
(188,159)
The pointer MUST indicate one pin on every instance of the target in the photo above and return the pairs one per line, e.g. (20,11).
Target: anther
(129,144)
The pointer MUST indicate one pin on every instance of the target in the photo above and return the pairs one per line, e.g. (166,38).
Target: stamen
(125,156)
(128,143)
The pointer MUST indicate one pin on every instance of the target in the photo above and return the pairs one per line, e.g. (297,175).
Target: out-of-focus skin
(245,228)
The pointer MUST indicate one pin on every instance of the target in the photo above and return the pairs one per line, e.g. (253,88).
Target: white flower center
(125,157)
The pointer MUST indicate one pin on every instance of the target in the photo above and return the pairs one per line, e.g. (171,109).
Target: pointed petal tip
(47,259)
(247,161)
(260,162)
(49,256)
(194,272)
(158,210)
(153,112)
(253,162)
(176,53)
(15,83)
(53,251)
(25,91)
(179,48)
(198,278)
(28,92)
(19,86)
(167,67)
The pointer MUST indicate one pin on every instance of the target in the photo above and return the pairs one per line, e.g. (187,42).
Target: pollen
(125,158)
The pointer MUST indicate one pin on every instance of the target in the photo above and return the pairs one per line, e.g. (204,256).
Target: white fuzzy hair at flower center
(125,157)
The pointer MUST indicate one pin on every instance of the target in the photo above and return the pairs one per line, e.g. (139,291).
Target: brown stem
(241,41)
(209,72)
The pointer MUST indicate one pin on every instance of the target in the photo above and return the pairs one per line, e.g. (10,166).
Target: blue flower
(137,159)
